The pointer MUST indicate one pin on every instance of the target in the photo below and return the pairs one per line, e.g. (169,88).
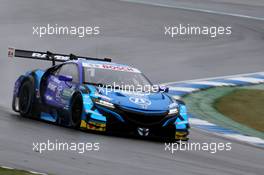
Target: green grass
(4,171)
(245,106)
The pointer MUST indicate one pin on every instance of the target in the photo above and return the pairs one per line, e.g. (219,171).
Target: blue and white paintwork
(54,97)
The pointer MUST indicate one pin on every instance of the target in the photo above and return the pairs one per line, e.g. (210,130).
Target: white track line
(213,83)
(247,79)
(250,139)
(7,167)
(213,78)
(34,172)
(195,9)
(183,89)
(197,121)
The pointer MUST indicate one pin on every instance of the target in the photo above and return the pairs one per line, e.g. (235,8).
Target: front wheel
(76,111)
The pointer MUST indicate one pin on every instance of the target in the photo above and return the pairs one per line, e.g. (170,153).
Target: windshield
(118,78)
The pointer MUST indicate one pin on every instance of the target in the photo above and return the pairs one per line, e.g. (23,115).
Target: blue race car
(95,94)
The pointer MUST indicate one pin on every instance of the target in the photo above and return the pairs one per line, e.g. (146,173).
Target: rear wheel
(76,111)
(26,99)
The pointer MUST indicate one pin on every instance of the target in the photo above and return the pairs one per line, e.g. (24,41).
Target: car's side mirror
(163,89)
(65,78)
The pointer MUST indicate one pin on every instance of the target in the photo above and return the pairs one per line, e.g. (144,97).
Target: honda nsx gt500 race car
(91,94)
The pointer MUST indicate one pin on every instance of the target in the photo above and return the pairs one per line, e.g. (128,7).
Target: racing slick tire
(26,99)
(76,111)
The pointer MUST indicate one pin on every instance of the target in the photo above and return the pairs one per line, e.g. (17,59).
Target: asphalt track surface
(132,34)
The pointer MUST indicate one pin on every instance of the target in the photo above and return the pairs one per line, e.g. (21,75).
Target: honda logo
(143,131)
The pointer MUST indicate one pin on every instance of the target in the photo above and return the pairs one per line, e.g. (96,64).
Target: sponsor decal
(143,102)
(52,87)
(111,67)
(92,125)
(55,79)
(11,52)
(44,55)
(173,105)
(58,92)
(49,98)
(67,92)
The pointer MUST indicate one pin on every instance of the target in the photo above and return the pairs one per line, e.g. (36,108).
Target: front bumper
(123,121)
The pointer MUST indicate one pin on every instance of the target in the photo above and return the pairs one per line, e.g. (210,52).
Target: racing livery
(92,94)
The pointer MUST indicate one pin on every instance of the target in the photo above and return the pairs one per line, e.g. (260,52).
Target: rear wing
(49,56)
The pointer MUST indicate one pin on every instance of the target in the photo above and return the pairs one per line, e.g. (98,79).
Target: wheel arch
(34,76)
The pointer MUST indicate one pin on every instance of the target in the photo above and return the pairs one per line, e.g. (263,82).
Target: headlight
(104,103)
(173,111)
